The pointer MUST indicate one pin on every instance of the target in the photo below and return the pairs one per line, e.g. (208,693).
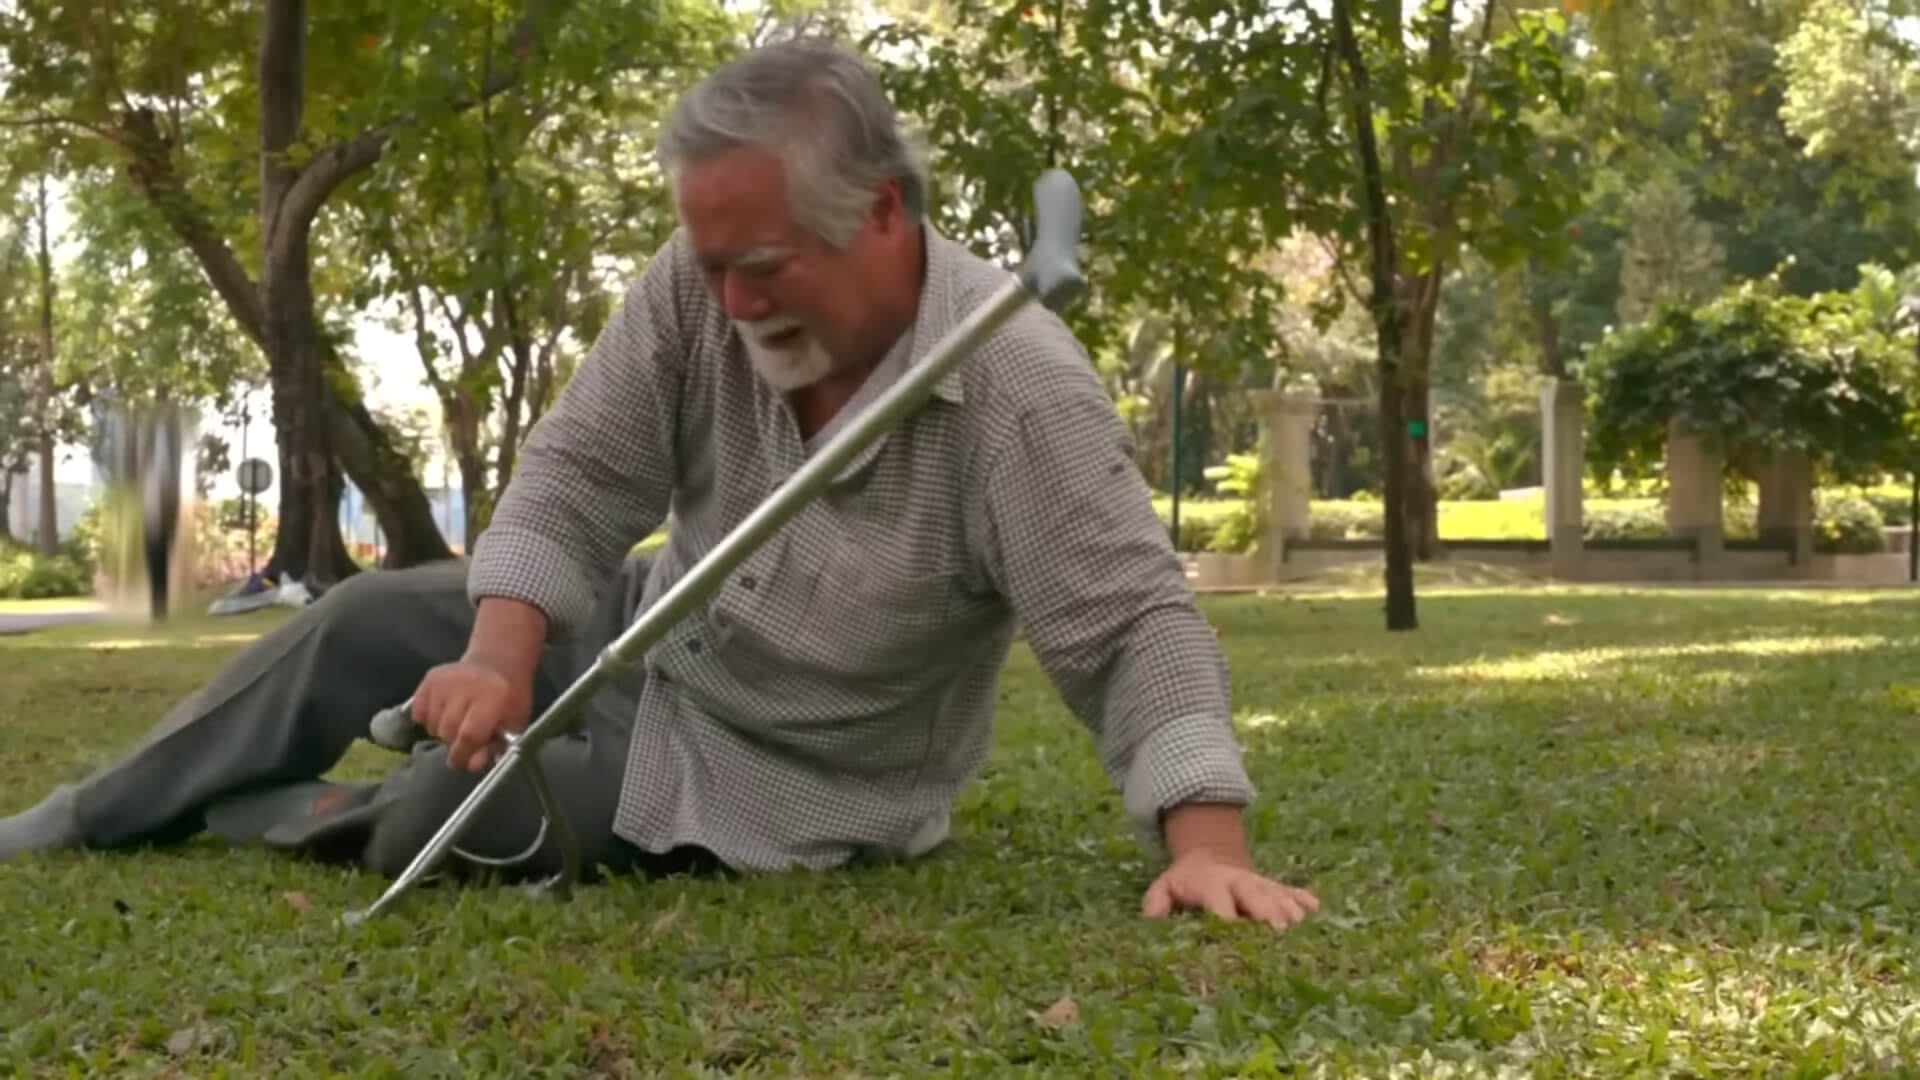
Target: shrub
(1196,532)
(26,575)
(1238,533)
(1624,521)
(1349,520)
(1894,503)
(1847,525)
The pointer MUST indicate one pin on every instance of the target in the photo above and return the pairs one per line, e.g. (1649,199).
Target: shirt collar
(936,314)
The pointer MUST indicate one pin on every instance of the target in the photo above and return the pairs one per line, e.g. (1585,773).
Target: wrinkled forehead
(734,208)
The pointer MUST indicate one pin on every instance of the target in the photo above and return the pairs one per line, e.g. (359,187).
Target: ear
(889,208)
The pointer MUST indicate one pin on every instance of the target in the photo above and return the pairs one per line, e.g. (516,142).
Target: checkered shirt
(838,690)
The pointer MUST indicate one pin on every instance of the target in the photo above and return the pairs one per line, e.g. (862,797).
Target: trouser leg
(584,767)
(286,708)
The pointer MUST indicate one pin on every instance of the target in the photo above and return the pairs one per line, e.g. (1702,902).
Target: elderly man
(834,696)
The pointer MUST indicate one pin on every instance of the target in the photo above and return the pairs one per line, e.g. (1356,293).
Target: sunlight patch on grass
(1556,664)
(1273,721)
(62,606)
(195,641)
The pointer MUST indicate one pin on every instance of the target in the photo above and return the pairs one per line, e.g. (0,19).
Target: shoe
(48,827)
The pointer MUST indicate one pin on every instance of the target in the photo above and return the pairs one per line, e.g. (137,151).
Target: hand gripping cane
(1050,274)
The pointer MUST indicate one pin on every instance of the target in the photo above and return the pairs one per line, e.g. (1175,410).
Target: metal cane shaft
(443,838)
(563,835)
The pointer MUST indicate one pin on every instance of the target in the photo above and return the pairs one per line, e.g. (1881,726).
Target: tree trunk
(1421,308)
(1546,328)
(6,503)
(479,497)
(308,544)
(49,504)
(1389,326)
(385,476)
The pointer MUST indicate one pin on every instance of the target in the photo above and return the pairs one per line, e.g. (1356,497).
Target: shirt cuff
(1190,759)
(533,569)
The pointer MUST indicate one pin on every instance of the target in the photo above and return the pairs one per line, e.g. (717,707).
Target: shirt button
(747,583)
(694,646)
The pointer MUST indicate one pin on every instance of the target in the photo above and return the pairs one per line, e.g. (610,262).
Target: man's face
(797,302)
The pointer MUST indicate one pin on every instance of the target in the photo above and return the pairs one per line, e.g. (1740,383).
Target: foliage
(1754,372)
(1241,477)
(19,355)
(139,321)
(27,575)
(1847,524)
(498,239)
(1670,255)
(1852,89)
(1104,89)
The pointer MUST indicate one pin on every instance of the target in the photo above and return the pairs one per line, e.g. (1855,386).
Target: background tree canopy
(1420,213)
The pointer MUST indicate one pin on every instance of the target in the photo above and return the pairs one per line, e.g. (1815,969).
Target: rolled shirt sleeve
(1098,591)
(596,474)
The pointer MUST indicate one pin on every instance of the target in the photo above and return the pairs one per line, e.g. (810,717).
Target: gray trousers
(243,754)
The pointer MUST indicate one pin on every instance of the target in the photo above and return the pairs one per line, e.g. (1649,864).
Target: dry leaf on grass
(1061,1013)
(299,901)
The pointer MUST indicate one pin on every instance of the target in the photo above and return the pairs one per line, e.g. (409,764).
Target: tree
(1670,255)
(495,239)
(44,416)
(240,159)
(1852,89)
(1450,156)
(1108,91)
(19,358)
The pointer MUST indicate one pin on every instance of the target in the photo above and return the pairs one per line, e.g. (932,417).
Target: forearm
(508,636)
(1218,829)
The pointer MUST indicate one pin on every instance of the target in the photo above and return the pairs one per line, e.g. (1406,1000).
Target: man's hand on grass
(1206,881)
(1213,871)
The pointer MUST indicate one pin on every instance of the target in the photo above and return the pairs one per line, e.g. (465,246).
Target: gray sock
(49,826)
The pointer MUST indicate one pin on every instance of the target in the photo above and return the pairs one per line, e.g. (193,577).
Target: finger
(1263,901)
(1158,903)
(482,725)
(1308,902)
(1218,898)
(467,730)
(426,700)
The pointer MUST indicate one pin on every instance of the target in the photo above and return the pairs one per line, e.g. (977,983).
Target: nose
(741,299)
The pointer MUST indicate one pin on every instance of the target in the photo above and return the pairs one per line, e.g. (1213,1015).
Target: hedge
(1845,522)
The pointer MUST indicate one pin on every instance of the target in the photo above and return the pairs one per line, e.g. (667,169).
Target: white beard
(785,368)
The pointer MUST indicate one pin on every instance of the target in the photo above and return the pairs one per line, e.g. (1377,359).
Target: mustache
(764,330)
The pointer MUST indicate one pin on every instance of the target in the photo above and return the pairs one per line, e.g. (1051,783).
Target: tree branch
(102,131)
(150,168)
(339,162)
(281,71)
(423,342)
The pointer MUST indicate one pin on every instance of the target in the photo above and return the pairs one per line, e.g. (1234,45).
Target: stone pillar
(1563,466)
(1286,423)
(1786,504)
(1696,490)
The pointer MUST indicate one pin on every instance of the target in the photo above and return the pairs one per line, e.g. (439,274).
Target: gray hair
(823,111)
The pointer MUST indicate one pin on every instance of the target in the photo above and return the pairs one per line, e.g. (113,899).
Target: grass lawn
(1554,833)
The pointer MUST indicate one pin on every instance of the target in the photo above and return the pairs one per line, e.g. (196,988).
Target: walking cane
(1051,274)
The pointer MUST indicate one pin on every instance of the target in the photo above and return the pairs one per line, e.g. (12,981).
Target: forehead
(734,204)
